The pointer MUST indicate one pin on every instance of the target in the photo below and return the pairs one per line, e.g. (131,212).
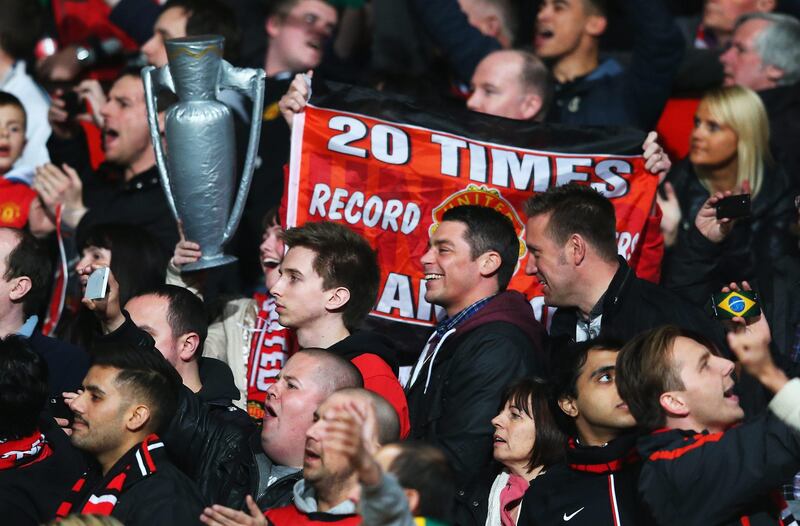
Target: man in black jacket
(700,466)
(125,188)
(37,463)
(264,463)
(176,321)
(488,339)
(571,238)
(597,484)
(128,397)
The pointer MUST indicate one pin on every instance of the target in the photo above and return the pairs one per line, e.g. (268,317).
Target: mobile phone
(73,105)
(59,409)
(734,207)
(97,286)
(727,305)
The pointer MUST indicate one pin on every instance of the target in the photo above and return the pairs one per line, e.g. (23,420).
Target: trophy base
(206,263)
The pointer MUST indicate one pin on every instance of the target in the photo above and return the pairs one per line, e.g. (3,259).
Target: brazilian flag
(736,303)
(422,521)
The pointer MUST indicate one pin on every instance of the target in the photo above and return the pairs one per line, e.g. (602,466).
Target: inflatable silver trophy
(198,170)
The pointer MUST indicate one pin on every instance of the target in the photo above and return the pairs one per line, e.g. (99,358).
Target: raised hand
(60,186)
(296,98)
(713,229)
(671,214)
(656,160)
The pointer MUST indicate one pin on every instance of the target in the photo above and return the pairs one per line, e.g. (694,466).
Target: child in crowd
(19,203)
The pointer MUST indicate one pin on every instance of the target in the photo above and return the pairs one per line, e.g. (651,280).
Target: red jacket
(15,203)
(291,516)
(379,378)
(376,359)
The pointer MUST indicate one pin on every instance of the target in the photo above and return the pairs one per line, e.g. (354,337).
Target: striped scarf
(135,465)
(24,451)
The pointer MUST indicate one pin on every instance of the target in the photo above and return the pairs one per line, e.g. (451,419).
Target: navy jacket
(634,95)
(67,364)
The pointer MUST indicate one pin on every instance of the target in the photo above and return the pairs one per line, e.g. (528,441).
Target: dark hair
(20,27)
(271,218)
(282,8)
(424,468)
(166,98)
(489,230)
(137,260)
(568,362)
(567,366)
(577,209)
(23,387)
(8,99)
(342,259)
(646,370)
(30,258)
(185,313)
(532,396)
(205,17)
(597,7)
(146,376)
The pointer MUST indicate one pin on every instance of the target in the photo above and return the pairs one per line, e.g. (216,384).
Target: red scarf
(24,451)
(270,346)
(135,465)
(510,497)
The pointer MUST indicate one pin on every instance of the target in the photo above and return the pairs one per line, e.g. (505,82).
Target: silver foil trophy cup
(198,172)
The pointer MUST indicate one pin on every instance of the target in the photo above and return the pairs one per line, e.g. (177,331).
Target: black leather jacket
(753,242)
(225,459)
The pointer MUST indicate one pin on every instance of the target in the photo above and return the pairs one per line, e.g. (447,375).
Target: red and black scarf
(135,465)
(270,347)
(24,451)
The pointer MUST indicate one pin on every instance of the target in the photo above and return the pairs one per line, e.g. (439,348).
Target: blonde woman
(729,152)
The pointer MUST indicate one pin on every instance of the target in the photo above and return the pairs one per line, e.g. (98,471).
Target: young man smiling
(488,339)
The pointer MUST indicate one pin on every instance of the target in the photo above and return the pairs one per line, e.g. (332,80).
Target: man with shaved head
(262,463)
(328,491)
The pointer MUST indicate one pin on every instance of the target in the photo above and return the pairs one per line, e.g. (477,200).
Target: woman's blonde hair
(87,520)
(742,110)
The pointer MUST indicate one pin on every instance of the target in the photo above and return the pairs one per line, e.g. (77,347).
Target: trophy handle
(163,79)
(251,83)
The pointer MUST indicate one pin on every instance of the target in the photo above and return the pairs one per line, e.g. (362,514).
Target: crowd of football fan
(264,393)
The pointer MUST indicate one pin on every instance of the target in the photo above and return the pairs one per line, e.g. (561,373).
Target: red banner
(391,182)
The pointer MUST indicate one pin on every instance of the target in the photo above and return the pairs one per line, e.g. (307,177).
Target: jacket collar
(306,501)
(611,458)
(618,286)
